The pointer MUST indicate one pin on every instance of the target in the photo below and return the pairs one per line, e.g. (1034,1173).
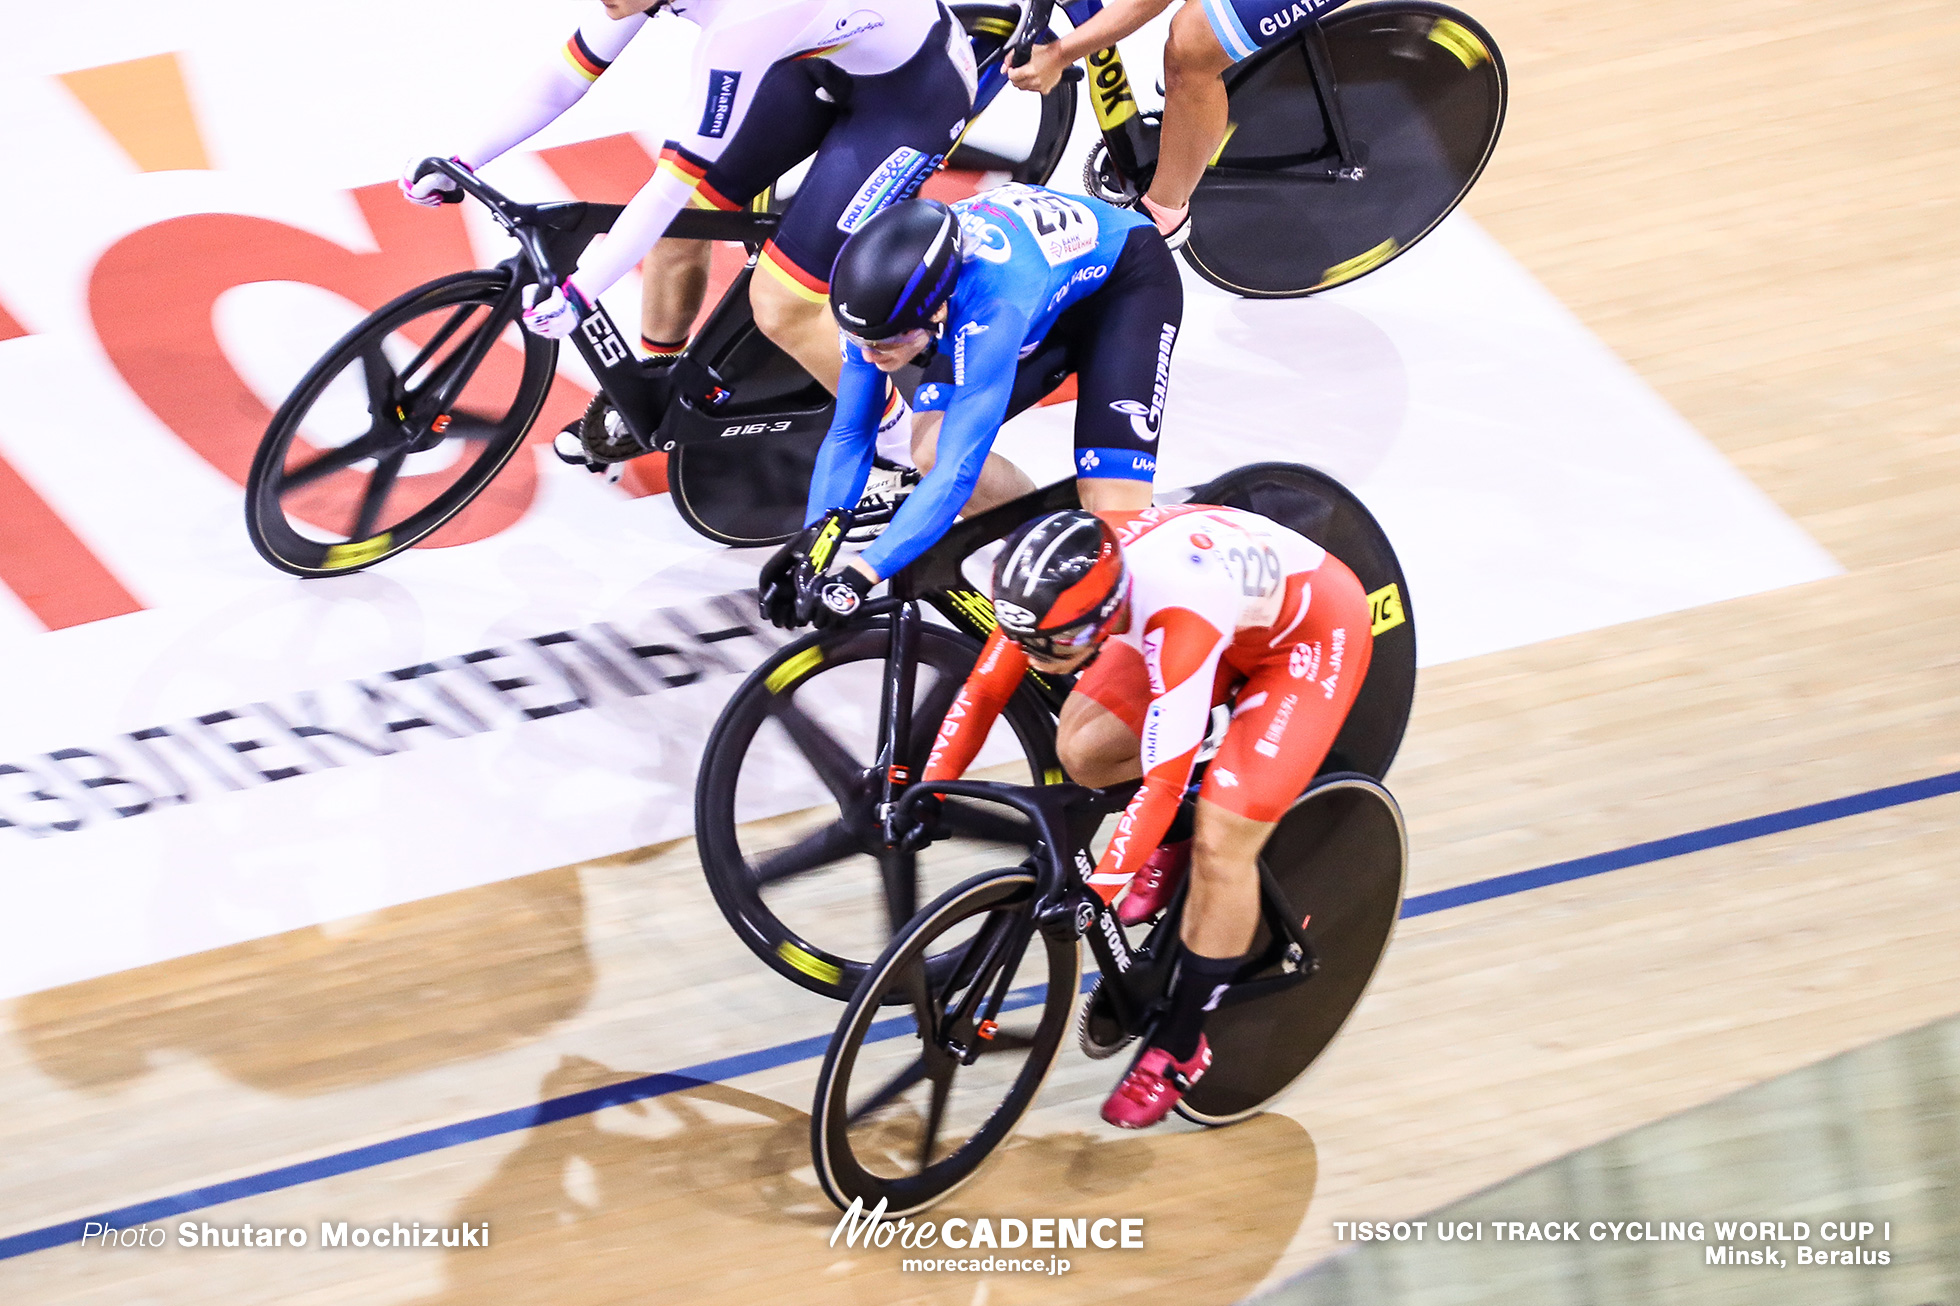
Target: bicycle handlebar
(1035,20)
(520,220)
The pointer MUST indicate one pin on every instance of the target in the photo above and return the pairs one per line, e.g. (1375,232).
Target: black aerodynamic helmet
(896,270)
(1059,583)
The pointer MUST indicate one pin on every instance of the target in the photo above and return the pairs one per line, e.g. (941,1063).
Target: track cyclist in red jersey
(1161,614)
(878,90)
(1206,38)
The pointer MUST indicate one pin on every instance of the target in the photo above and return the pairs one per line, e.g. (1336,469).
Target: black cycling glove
(796,568)
(832,600)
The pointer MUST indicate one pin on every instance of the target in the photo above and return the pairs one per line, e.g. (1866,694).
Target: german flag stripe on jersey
(820,52)
(585,63)
(675,160)
(778,265)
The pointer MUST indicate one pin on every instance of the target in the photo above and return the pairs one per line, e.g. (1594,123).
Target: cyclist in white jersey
(877,89)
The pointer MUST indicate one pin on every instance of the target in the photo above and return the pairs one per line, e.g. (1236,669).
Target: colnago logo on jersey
(894,179)
(1094,272)
(928,395)
(1301,11)
(1146,421)
(722,85)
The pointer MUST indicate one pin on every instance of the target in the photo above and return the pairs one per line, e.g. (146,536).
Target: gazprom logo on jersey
(892,180)
(1123,464)
(721,100)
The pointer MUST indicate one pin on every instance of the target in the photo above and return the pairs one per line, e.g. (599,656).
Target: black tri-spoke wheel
(785,807)
(1420,89)
(1334,866)
(397,428)
(931,1068)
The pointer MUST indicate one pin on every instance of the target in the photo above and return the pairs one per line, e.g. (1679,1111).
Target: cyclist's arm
(1117,20)
(844,459)
(986,691)
(1187,648)
(555,88)
(729,63)
(990,341)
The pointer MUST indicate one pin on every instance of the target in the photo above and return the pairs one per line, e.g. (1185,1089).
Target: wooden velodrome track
(1752,201)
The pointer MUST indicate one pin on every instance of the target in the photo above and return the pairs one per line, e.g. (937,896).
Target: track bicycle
(909,1106)
(801,772)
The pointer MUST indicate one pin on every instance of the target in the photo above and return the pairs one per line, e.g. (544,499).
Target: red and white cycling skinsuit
(1224,605)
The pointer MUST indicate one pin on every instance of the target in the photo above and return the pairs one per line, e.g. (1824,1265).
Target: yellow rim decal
(355,552)
(1364,262)
(993,27)
(1385,609)
(815,967)
(1459,41)
(1109,88)
(792,670)
(1053,776)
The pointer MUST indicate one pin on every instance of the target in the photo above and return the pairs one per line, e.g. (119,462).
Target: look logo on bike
(1003,295)
(1163,614)
(877,89)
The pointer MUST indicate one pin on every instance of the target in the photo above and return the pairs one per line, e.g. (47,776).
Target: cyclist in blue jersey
(1010,291)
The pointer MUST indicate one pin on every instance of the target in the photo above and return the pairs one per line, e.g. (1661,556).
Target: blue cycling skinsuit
(1049,284)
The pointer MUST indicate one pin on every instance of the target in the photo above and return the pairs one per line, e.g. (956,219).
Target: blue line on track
(783,1054)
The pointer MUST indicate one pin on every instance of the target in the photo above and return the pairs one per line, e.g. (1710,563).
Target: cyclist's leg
(791,118)
(673,282)
(1098,736)
(1195,107)
(892,131)
(1208,37)
(1123,335)
(1297,698)
(1000,480)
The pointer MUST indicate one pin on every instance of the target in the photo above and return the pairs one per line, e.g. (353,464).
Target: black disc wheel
(785,807)
(1019,133)
(910,1105)
(1326,512)
(1420,90)
(1334,864)
(363,461)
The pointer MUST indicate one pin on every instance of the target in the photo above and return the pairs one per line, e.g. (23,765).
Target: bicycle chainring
(604,434)
(1102,1034)
(1101,179)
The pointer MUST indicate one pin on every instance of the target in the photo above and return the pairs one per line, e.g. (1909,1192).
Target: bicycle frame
(1138,980)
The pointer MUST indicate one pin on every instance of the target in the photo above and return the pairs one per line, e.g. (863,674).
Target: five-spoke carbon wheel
(909,1106)
(362,461)
(785,807)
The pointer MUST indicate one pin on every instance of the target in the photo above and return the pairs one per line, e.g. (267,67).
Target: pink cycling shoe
(1154,1085)
(1156,880)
